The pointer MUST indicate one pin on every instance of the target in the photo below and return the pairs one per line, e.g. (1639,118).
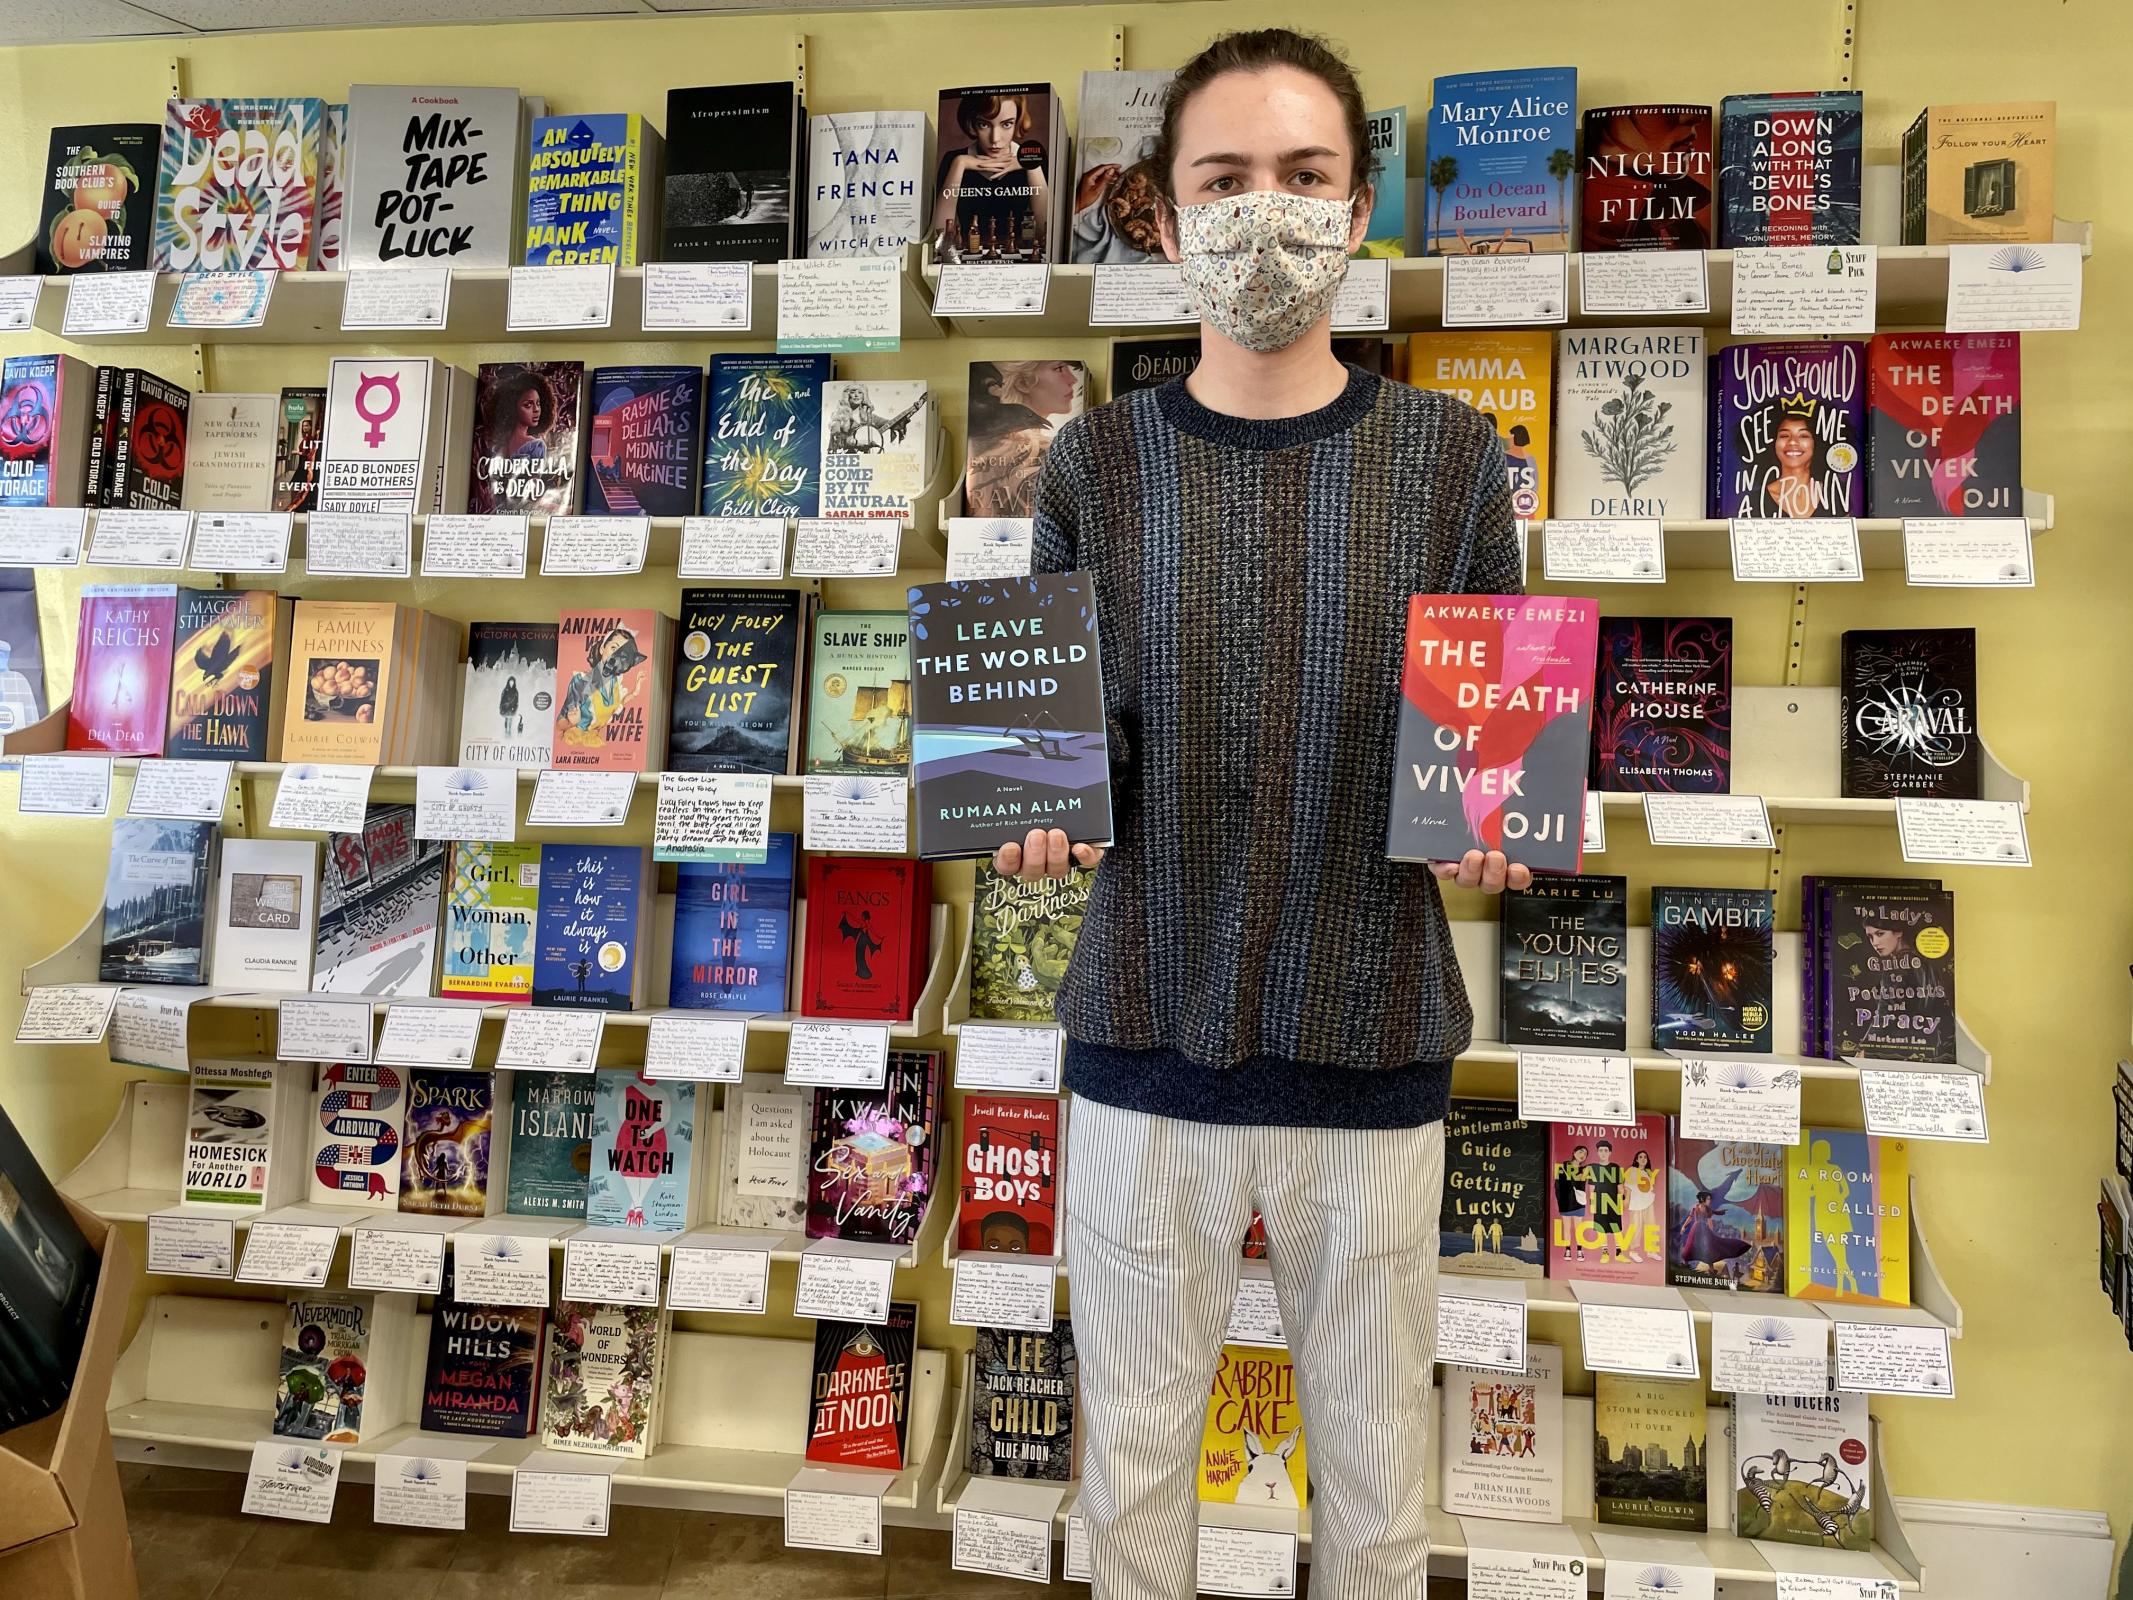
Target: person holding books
(1262,1008)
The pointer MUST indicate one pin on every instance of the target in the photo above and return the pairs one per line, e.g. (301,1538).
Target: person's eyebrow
(1287,158)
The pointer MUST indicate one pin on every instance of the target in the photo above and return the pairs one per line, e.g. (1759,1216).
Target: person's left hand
(1491,873)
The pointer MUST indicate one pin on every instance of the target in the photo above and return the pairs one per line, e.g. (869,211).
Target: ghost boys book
(507,716)
(1650,1452)
(1725,1215)
(378,898)
(733,932)
(1012,1167)
(1907,714)
(1848,1218)
(1503,1440)
(1495,724)
(1607,1201)
(1564,959)
(444,1165)
(1803,1469)
(860,1394)
(1252,1438)
(592,926)
(1022,1403)
(1008,713)
(1788,430)
(643,1149)
(1712,954)
(1663,718)
(155,902)
(479,1377)
(736,665)
(1494,1210)
(601,1381)
(872,1159)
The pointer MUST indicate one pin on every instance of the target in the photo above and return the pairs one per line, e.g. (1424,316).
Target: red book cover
(859,1414)
(1011,1171)
(605,660)
(867,925)
(122,661)
(1944,424)
(1607,1201)
(1647,178)
(872,1155)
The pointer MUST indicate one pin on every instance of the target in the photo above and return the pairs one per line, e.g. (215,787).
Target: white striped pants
(1156,1211)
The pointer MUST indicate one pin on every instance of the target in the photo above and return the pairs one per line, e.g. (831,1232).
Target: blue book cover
(587,185)
(155,901)
(1788,429)
(733,932)
(585,951)
(1712,954)
(643,427)
(1502,153)
(643,1142)
(551,1143)
(763,441)
(29,427)
(1788,168)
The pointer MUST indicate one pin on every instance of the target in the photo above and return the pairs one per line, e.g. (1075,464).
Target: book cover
(47,1264)
(1494,1210)
(602,721)
(732,946)
(1252,1440)
(1564,963)
(1663,706)
(148,445)
(22,680)
(1818,948)
(444,1166)
(1388,202)
(122,668)
(1504,376)
(551,1143)
(1008,723)
(601,1380)
(1650,1452)
(1501,154)
(378,895)
(525,450)
(1150,363)
(1725,1215)
(877,446)
(995,178)
(643,1152)
(94,216)
(229,452)
(872,1156)
(237,185)
(859,693)
(479,1375)
(1891,953)
(330,236)
(867,936)
(866,180)
(355,1136)
(586,944)
(1788,430)
(229,1133)
(103,419)
(222,689)
(642,432)
(1009,1195)
(1944,424)
(1630,404)
(266,915)
(1021,939)
(346,655)
(763,442)
(1115,189)
(860,1394)
(1607,1201)
(1713,951)
(1907,714)
(1788,168)
(590,183)
(40,397)
(155,901)
(1803,1469)
(325,1363)
(1848,1218)
(736,666)
(1646,178)
(489,909)
(731,151)
(300,430)
(507,714)
(1980,174)
(763,1158)
(1495,725)
(434,176)
(1022,1404)
(381,448)
(1503,1440)
(1016,409)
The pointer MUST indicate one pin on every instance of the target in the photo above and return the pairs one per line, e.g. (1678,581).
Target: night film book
(1501,158)
(1646,178)
(1494,1210)
(1712,953)
(1495,721)
(1907,714)
(1564,963)
(1663,712)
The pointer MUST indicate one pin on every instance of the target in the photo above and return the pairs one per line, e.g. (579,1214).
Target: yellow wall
(2045,1385)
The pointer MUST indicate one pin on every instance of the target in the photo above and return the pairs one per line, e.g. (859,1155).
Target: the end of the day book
(763,435)
(1493,1212)
(1663,712)
(1495,726)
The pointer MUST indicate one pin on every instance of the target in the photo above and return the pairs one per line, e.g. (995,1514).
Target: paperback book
(1504,375)
(763,444)
(1021,939)
(435,175)
(642,441)
(1564,963)
(860,1392)
(45,411)
(643,1153)
(1803,1469)
(1725,1215)
(1631,405)
(867,936)
(1252,1441)
(1607,1201)
(1503,1440)
(763,1154)
(1119,121)
(300,431)
(1016,409)
(866,182)
(489,910)
(479,1375)
(551,1143)
(1494,1210)
(1818,951)
(1788,430)
(1501,154)
(1944,413)
(525,452)
(231,1129)
(594,915)
(872,1157)
(1650,1452)
(444,1168)
(1980,174)
(328,1348)
(237,185)
(732,946)
(1907,714)
(592,187)
(378,898)
(266,915)
(397,434)
(731,155)
(1663,718)
(1022,1404)
(1012,1167)
(1712,955)
(94,216)
(1387,235)
(354,1136)
(612,716)
(997,180)
(1788,168)
(1646,179)
(156,901)
(1848,1218)
(878,446)
(329,238)
(122,668)
(229,675)
(859,693)
(601,1380)
(229,452)
(736,667)
(1891,954)
(507,713)
(369,684)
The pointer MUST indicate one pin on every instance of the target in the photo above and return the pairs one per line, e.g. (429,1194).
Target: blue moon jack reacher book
(1008,729)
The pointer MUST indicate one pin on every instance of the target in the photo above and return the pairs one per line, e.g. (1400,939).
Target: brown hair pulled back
(1257,51)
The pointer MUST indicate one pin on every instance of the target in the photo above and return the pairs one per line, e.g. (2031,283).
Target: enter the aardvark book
(1495,729)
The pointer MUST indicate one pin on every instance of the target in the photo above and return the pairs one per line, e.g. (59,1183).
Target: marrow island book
(1788,430)
(1630,405)
(872,1159)
(489,909)
(1712,955)
(1022,937)
(1495,727)
(736,665)
(479,1375)
(860,1390)
(156,901)
(732,944)
(1252,1439)
(643,441)
(1725,1215)
(237,185)
(763,442)
(732,153)
(643,1150)
(1009,1195)
(1650,1452)
(1023,1403)
(1494,1211)
(1803,1469)
(1564,963)
(1663,721)
(1504,375)
(1008,713)
(592,930)
(1848,1218)
(1501,156)
(1503,1440)
(444,1162)
(378,897)
(1944,424)
(1907,714)
(601,1380)
(551,1143)
(1646,179)
(122,668)
(96,215)
(1789,167)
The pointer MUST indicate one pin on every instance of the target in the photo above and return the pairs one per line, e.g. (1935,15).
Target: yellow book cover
(342,656)
(1848,1218)
(1252,1447)
(1508,378)
(1980,174)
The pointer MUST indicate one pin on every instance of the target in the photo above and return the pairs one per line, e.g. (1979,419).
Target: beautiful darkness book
(1663,717)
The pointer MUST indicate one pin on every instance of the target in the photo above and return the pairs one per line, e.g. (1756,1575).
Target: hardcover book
(996,180)
(860,1395)
(237,185)
(1944,417)
(1725,1215)
(1021,939)
(1009,730)
(591,189)
(1631,404)
(1818,947)
(1788,430)
(444,1166)
(867,936)
(1016,409)
(736,666)
(1607,1201)
(551,1143)
(1788,168)
(859,693)
(731,154)
(1803,1469)
(229,452)
(1504,376)
(1252,1441)
(435,175)
(1501,154)
(732,946)
(877,446)
(300,431)
(327,1353)
(122,668)
(1150,363)
(1907,714)
(1387,235)
(1495,726)
(155,901)
(94,216)
(612,716)
(266,915)
(1891,954)
(590,936)
(230,1133)
(1494,1210)
(377,908)
(1646,178)
(602,1378)
(1120,120)
(45,410)
(145,454)
(489,910)
(1848,1218)
(355,1136)
(1503,1440)
(330,237)
(229,675)
(1564,963)
(479,1375)
(1650,1452)
(1022,1404)
(1663,718)
(763,1157)
(525,453)
(643,1153)
(642,434)
(763,445)
(1980,174)
(1012,1166)
(866,182)
(1712,955)
(507,715)
(872,1156)
(394,436)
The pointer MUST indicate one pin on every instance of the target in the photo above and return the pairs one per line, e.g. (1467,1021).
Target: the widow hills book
(1980,174)
(507,713)
(1789,168)
(866,182)
(1118,122)
(1503,374)
(237,185)
(1008,1201)
(1848,1218)
(1252,1439)
(444,1162)
(1009,731)
(1630,408)
(525,449)
(1646,178)
(602,1378)
(99,195)
(763,440)
(1712,954)
(229,675)
(1564,963)
(1495,723)
(874,1153)
(1021,939)
(378,898)
(1650,1452)
(1663,712)
(643,441)
(479,1377)
(1944,419)
(592,932)
(736,688)
(1023,1401)
(1725,1215)
(731,154)
(1788,429)
(1502,153)
(1803,1469)
(592,189)
(1494,1210)
(1907,714)
(643,1153)
(434,175)
(732,945)
(859,1394)
(122,668)
(156,901)
(551,1143)
(1502,1440)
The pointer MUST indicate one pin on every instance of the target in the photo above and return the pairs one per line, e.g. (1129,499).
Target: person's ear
(1166,226)
(1359,216)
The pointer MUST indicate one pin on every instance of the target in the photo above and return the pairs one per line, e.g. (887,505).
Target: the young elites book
(1495,724)
(1788,430)
(1663,718)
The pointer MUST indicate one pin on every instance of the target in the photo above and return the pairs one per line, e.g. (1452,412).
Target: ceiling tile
(65,21)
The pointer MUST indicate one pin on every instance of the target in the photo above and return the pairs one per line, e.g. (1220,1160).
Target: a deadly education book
(733,932)
(1008,713)
(1503,374)
(99,192)
(1150,363)
(1944,417)
(1663,713)
(479,1377)
(1503,1440)
(156,901)
(444,1163)
(1646,178)
(1650,1452)
(1012,1168)
(859,693)
(867,936)
(592,928)
(1980,174)
(643,441)
(1788,430)
(1803,1469)
(237,185)
(1564,959)
(731,153)
(643,1152)
(378,897)
(1907,714)
(354,1136)
(525,451)
(1495,723)
(860,1393)
(1788,168)
(1891,949)
(601,1380)
(736,666)
(228,675)
(551,1143)
(1630,406)
(1252,1440)
(1712,953)
(1494,1211)
(1725,1215)
(1502,152)
(872,1159)
(763,442)
(489,909)
(507,714)
(1022,1404)
(1848,1218)
(122,667)
(1021,939)
(1607,1201)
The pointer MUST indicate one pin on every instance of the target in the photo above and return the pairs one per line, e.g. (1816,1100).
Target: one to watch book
(1712,954)
(643,1149)
(1663,718)
(860,1394)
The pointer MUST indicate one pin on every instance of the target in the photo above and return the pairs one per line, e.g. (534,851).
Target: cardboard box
(62,1518)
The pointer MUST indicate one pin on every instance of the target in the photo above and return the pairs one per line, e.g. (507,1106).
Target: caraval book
(1495,724)
(1907,714)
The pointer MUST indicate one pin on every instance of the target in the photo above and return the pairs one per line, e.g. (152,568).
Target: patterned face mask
(1264,266)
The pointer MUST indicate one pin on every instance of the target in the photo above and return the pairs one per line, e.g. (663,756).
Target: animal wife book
(1495,729)
(1008,713)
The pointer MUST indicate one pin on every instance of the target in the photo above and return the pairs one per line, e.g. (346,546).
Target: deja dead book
(1907,714)
(1495,725)
(1008,713)
(860,1395)
(1565,956)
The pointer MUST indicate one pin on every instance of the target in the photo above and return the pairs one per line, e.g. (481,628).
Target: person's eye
(1221,184)
(1308,179)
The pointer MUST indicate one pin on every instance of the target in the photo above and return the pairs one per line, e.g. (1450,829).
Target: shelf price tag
(846,547)
(850,814)
(1018,1057)
(293,1253)
(312,1028)
(1004,1291)
(1506,291)
(319,797)
(241,541)
(418,1035)
(1796,550)
(1968,553)
(1246,1561)
(569,798)
(992,289)
(67,1013)
(1641,283)
(188,791)
(719,1274)
(837,1055)
(499,1269)
(1764,1352)
(1139,294)
(1585,550)
(830,1508)
(842,304)
(748,548)
(42,536)
(18,301)
(186,1244)
(593,547)
(1363,303)
(2012,288)
(466,803)
(1894,1358)
(845,1281)
(1255,1314)
(1816,289)
(1576,1086)
(698,297)
(1728,821)
(1481,1322)
(407,1260)
(389,299)
(549,1040)
(547,1497)
(575,295)
(690,1044)
(292,1480)
(1973,833)
(1735,1098)
(108,302)
(1642,1340)
(712,816)
(358,544)
(221,300)
(140,539)
(1901,1101)
(65,786)
(474,547)
(606,1270)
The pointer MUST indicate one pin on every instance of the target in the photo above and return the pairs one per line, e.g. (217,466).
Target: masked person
(1262,1009)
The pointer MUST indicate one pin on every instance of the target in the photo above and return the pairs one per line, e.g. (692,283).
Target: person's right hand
(994,164)
(1092,184)
(1044,854)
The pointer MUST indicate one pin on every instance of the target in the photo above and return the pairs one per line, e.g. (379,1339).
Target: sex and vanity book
(874,1153)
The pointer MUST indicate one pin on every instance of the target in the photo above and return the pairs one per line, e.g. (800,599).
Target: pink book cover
(1607,1201)
(122,668)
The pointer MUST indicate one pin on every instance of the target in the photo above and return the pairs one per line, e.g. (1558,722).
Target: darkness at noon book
(1646,178)
(1504,375)
(1564,963)
(1630,412)
(859,1395)
(996,193)
(1023,1402)
(866,182)
(46,404)
(874,1153)
(1022,937)
(296,448)
(1788,429)
(592,189)
(859,693)
(237,185)
(525,449)
(589,946)
(122,668)
(1016,409)
(867,936)
(736,666)
(1495,722)
(147,453)
(378,897)
(1725,1215)
(1607,1201)
(1944,418)
(1848,1218)
(435,175)
(228,675)
(156,895)
(1008,1202)
(551,1143)
(763,436)
(732,947)
(1907,714)
(731,154)
(1252,1437)
(1150,363)
(1712,954)
(1663,707)
(1789,168)
(1502,152)
(445,1144)
(642,441)
(1650,1452)
(1980,174)
(489,910)
(1493,1213)
(479,1375)
(643,1152)
(99,196)
(1803,1469)
(1891,953)
(507,713)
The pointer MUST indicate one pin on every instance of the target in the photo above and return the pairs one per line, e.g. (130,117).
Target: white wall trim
(1970,1550)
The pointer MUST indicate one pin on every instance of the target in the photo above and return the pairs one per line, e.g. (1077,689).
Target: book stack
(1877,969)
(371,683)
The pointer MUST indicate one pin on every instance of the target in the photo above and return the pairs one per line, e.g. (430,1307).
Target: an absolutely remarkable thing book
(867,937)
(1495,724)
(1907,714)
(1607,1201)
(1725,1215)
(551,1143)
(479,1377)
(592,189)
(1630,406)
(378,898)
(1789,168)
(1011,1170)
(435,175)
(1788,430)
(1023,1403)
(122,668)
(266,915)
(1944,424)
(98,198)
(490,904)
(445,1144)
(731,157)
(592,936)
(237,185)
(874,1154)
(524,459)
(763,439)
(1848,1218)
(866,182)
(1564,963)
(1252,1439)
(229,675)
(1980,174)
(1803,1469)
(1662,717)
(507,713)
(156,894)
(1021,938)
(1493,1214)
(1502,1440)
(859,693)
(1650,1452)
(329,232)
(1502,155)
(732,944)
(736,681)
(1712,955)
(859,1393)
(1503,374)
(643,1172)
(1645,178)
(643,441)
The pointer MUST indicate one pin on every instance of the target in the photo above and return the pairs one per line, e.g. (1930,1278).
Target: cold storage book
(1564,963)
(1646,178)
(1630,406)
(1664,718)
(1907,714)
(1788,168)
(1712,953)
(1944,418)
(1494,1210)
(1501,156)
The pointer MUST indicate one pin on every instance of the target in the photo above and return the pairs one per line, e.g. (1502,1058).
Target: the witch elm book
(1663,717)
(1907,714)
(1711,969)
(1008,713)
(1565,957)
(1022,1404)
(1495,723)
